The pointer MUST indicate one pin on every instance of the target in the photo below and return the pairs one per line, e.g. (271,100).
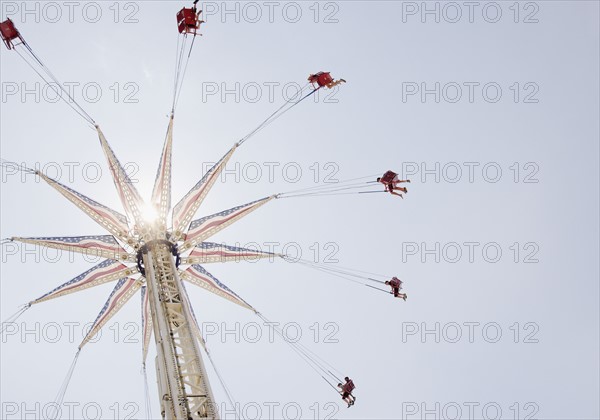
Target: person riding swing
(396,284)
(391,181)
(346,391)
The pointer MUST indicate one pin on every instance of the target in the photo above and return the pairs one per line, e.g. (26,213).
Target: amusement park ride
(146,251)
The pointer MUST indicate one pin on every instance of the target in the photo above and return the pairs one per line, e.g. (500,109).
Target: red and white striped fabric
(105,272)
(205,227)
(122,292)
(104,246)
(161,194)
(113,221)
(130,198)
(210,252)
(188,206)
(198,276)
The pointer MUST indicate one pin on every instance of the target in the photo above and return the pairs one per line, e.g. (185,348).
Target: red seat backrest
(388,176)
(8,30)
(186,19)
(349,386)
(324,79)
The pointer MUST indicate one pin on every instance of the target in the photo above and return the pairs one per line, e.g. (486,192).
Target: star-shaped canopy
(128,233)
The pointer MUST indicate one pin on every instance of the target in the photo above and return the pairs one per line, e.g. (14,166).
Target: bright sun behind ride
(149,214)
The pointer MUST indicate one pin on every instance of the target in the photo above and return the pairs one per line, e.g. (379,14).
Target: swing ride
(156,247)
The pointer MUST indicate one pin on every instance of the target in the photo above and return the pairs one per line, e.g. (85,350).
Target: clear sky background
(541,211)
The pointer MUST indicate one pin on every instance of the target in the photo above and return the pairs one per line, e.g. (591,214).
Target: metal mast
(183,385)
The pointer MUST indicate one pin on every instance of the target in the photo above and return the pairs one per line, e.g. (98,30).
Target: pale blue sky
(381,49)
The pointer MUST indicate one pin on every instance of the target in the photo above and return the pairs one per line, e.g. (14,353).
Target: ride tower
(183,386)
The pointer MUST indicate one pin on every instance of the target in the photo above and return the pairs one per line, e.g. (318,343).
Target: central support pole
(183,385)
